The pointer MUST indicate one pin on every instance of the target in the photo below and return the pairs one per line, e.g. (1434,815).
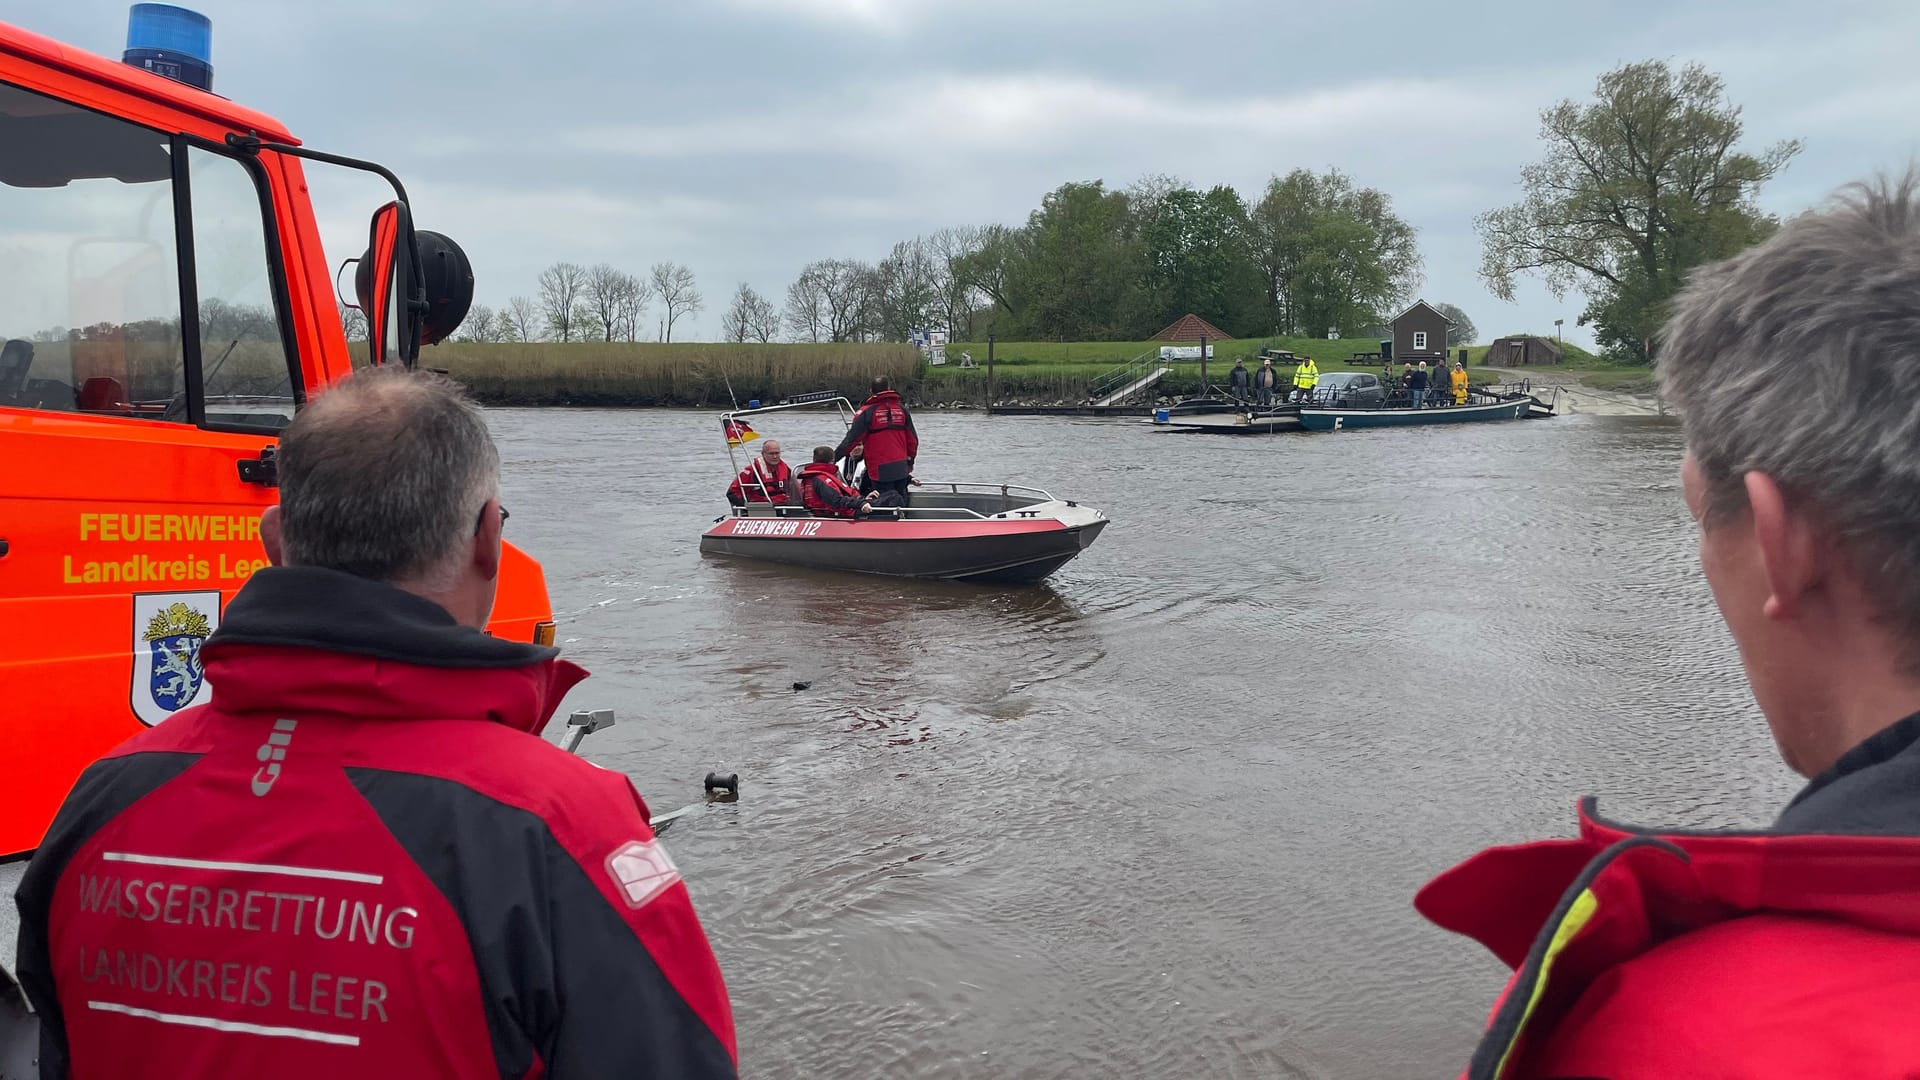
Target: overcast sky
(745,138)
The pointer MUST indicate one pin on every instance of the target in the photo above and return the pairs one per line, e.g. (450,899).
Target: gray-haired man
(359,859)
(1792,951)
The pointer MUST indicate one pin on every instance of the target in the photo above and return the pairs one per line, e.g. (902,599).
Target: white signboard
(1183,352)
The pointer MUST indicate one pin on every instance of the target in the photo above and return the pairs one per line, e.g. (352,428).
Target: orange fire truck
(165,309)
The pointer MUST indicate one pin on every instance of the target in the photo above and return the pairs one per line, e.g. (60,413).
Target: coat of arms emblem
(169,629)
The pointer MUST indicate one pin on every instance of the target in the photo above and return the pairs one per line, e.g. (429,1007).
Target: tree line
(1313,253)
(1636,187)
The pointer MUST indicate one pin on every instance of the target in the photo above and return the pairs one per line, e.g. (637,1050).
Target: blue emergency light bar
(171,42)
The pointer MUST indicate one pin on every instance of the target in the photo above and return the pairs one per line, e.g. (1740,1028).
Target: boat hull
(1264,422)
(1343,419)
(1007,552)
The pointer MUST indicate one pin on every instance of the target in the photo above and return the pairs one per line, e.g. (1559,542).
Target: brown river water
(1165,814)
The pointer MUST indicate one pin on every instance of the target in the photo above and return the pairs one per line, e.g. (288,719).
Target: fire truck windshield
(101,223)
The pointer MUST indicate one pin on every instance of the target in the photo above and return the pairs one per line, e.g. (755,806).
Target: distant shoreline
(719,376)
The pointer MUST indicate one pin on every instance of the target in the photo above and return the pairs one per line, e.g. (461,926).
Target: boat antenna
(730,394)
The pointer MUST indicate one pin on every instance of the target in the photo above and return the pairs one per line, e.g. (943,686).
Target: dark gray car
(1349,389)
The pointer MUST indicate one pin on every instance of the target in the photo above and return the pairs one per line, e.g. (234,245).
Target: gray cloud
(747,137)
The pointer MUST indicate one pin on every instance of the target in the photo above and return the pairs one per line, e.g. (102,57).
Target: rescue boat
(990,533)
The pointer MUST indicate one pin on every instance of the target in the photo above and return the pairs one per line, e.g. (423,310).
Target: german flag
(738,431)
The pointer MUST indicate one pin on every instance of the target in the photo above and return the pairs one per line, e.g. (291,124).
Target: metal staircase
(1123,382)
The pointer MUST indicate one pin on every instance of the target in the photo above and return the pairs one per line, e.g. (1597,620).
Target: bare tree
(606,287)
(480,326)
(563,289)
(807,303)
(848,293)
(354,322)
(635,295)
(905,291)
(957,296)
(674,285)
(521,320)
(763,322)
(736,324)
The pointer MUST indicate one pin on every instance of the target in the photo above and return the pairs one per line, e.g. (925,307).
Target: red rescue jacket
(883,428)
(756,484)
(1783,953)
(844,499)
(359,859)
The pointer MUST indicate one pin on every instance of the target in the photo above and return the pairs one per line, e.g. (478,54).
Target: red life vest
(888,436)
(1640,955)
(824,470)
(755,485)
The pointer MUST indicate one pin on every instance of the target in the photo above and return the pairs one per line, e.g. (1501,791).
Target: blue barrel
(1162,416)
(171,42)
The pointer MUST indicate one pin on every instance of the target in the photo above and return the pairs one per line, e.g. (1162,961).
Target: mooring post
(1203,365)
(989,372)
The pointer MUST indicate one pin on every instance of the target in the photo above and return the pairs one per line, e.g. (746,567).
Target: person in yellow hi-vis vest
(1305,378)
(1459,383)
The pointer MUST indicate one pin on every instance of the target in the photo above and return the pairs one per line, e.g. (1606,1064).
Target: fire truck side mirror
(448,280)
(388,286)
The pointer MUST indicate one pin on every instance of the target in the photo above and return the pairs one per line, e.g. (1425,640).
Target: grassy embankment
(713,375)
(694,374)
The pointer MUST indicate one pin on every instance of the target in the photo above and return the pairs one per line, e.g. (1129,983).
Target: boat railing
(803,401)
(961,487)
(954,487)
(884,513)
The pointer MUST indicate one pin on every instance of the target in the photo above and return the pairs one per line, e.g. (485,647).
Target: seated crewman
(766,478)
(825,493)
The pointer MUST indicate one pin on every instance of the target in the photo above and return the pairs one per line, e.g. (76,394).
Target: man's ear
(270,533)
(1791,544)
(486,542)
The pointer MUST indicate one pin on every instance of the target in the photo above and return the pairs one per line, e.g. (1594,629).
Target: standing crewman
(360,858)
(1265,381)
(1305,377)
(883,429)
(1237,379)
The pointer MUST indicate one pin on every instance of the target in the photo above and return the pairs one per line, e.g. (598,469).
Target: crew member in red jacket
(1792,951)
(360,859)
(825,493)
(883,429)
(766,478)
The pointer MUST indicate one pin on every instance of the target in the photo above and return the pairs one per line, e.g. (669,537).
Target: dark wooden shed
(1420,333)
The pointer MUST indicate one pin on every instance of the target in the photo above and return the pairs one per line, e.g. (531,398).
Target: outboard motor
(171,42)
